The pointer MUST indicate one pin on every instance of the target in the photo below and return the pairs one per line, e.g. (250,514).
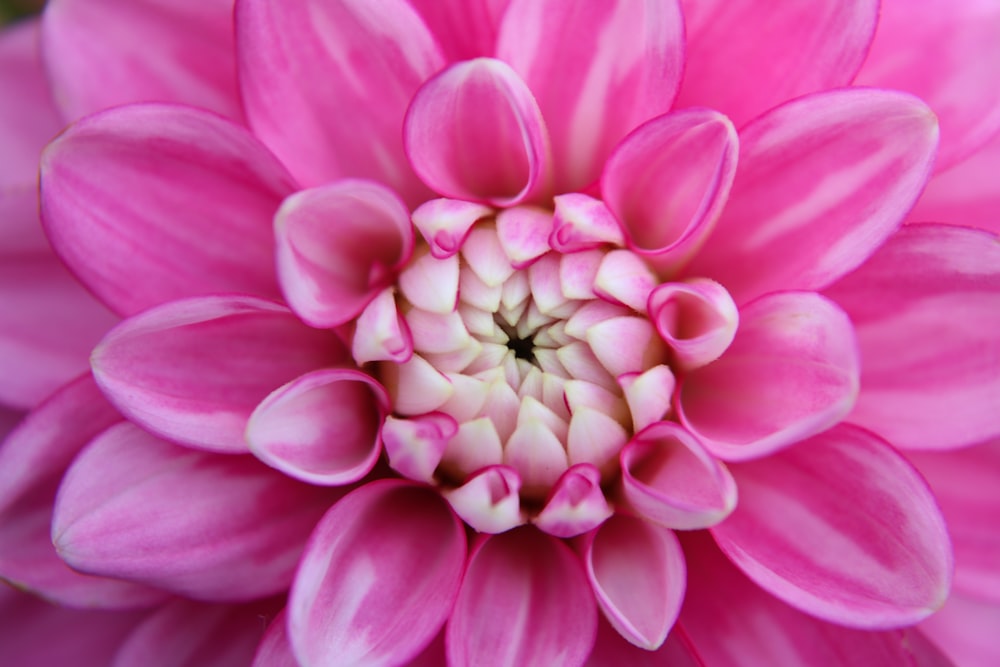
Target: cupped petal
(475,132)
(668,477)
(193,634)
(370,59)
(580,223)
(378,578)
(201,194)
(48,325)
(861,541)
(668,181)
(791,372)
(576,504)
(275,649)
(465,28)
(488,501)
(32,462)
(338,246)
(638,574)
(965,483)
(444,223)
(322,427)
(203,525)
(537,588)
(965,630)
(696,318)
(948,54)
(102,53)
(728,621)
(381,333)
(822,181)
(193,370)
(743,58)
(605,51)
(926,308)
(415,446)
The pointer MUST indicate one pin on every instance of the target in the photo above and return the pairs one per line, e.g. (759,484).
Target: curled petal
(338,246)
(638,575)
(821,183)
(881,560)
(648,395)
(378,578)
(608,51)
(475,132)
(928,381)
(669,478)
(792,371)
(444,223)
(322,427)
(668,181)
(489,500)
(534,578)
(139,508)
(194,370)
(576,504)
(415,446)
(582,223)
(696,318)
(381,334)
(202,192)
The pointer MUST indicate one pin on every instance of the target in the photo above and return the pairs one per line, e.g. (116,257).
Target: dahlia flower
(501,332)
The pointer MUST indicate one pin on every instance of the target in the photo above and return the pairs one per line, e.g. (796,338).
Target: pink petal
(791,372)
(381,333)
(192,634)
(194,370)
(415,446)
(48,325)
(965,630)
(648,395)
(576,504)
(728,621)
(612,650)
(102,54)
(488,501)
(697,319)
(669,478)
(523,233)
(197,219)
(445,223)
(637,572)
(32,462)
(202,525)
(275,648)
(929,380)
(378,578)
(743,58)
(861,541)
(322,427)
(541,610)
(606,52)
(338,246)
(475,132)
(822,182)
(581,223)
(668,181)
(948,54)
(370,60)
(465,28)
(39,634)
(965,484)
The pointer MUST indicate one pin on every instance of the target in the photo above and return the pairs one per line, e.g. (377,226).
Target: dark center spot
(524,348)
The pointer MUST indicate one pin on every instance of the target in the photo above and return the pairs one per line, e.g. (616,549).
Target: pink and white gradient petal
(860,540)
(162,242)
(937,289)
(194,370)
(603,52)
(368,590)
(370,57)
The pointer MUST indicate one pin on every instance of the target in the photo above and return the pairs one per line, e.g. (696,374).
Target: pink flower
(509,332)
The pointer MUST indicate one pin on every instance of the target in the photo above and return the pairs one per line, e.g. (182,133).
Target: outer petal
(792,371)
(668,181)
(48,325)
(927,310)
(949,55)
(611,650)
(194,370)
(32,461)
(743,58)
(338,246)
(822,182)
(861,541)
(203,525)
(729,622)
(275,649)
(475,132)
(965,483)
(378,578)
(104,53)
(638,574)
(535,583)
(606,52)
(197,218)
(965,629)
(326,85)
(192,634)
(464,28)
